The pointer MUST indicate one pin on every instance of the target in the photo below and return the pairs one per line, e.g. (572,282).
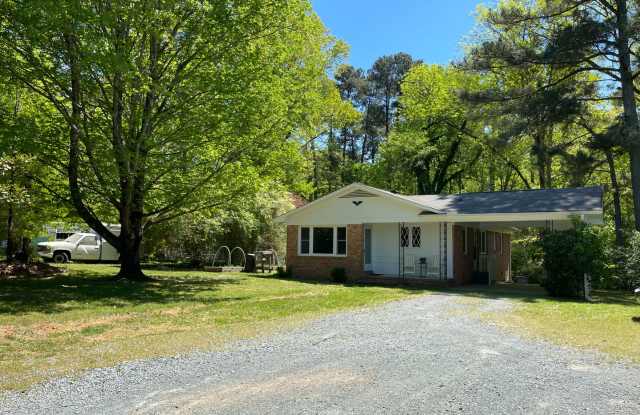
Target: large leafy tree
(385,78)
(577,36)
(354,87)
(431,150)
(325,137)
(169,107)
(24,203)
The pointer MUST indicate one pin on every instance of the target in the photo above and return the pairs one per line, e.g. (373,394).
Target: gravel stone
(428,354)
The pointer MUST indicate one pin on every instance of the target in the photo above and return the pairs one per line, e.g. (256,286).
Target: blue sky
(430,30)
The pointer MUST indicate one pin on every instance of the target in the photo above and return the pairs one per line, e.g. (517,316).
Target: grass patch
(606,324)
(67,323)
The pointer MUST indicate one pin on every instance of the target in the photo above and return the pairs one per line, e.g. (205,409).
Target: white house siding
(384,248)
(343,211)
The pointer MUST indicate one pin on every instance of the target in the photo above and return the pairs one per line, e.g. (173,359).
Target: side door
(87,249)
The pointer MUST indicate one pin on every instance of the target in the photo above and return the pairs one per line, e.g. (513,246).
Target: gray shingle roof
(580,199)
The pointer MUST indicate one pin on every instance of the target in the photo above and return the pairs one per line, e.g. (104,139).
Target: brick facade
(320,266)
(502,257)
(463,262)
(310,266)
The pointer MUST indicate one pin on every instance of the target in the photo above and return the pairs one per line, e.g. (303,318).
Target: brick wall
(463,263)
(321,266)
(502,257)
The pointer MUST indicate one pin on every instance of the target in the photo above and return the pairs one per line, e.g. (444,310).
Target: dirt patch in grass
(34,270)
(47,329)
(7,331)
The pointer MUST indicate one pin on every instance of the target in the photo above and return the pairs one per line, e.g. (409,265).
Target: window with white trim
(341,244)
(322,240)
(305,240)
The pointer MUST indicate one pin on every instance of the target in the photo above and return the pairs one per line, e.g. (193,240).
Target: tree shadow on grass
(83,289)
(492,293)
(409,288)
(523,293)
(531,296)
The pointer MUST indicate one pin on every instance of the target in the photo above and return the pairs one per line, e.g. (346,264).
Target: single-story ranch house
(461,238)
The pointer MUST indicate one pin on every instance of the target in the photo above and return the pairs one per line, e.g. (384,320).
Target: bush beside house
(339,275)
(628,275)
(567,256)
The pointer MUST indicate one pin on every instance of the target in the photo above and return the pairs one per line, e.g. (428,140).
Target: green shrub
(567,256)
(526,256)
(284,272)
(629,270)
(339,275)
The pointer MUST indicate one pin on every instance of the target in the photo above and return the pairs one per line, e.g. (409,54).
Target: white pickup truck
(79,246)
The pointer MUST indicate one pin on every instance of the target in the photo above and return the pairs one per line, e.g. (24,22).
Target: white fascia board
(383,193)
(509,217)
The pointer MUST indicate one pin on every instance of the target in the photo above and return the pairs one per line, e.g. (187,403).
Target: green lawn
(605,325)
(61,325)
(68,323)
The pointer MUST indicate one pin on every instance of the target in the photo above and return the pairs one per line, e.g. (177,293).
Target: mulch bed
(33,270)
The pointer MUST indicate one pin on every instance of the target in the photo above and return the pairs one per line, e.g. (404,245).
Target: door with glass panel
(413,258)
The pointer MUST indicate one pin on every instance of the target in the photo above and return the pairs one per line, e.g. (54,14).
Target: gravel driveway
(423,355)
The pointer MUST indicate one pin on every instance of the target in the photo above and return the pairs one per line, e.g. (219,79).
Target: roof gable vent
(358,194)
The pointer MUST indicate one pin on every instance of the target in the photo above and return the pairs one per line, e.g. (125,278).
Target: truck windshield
(73,238)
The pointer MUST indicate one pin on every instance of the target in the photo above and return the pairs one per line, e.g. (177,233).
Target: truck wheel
(60,257)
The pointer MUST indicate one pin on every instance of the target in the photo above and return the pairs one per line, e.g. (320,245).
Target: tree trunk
(314,179)
(616,197)
(492,175)
(130,264)
(631,123)
(634,153)
(387,115)
(364,148)
(548,170)
(541,163)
